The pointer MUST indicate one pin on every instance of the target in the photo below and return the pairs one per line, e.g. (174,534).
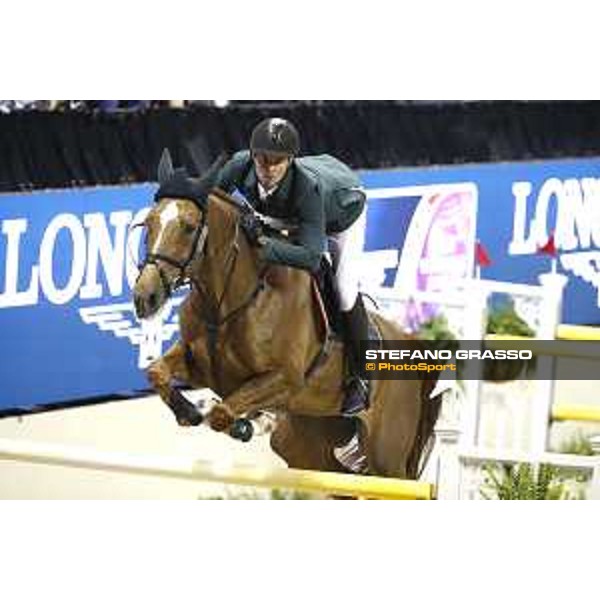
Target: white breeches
(346,250)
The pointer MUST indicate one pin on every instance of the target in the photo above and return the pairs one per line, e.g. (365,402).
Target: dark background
(50,149)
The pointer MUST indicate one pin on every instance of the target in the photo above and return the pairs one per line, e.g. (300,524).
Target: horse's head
(176,234)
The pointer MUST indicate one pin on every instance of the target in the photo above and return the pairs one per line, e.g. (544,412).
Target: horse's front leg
(173,366)
(264,392)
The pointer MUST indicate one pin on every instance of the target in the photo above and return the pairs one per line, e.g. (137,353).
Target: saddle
(329,314)
(327,299)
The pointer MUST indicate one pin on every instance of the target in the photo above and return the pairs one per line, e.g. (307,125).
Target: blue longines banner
(68,261)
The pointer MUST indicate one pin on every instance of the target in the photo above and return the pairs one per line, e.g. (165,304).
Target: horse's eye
(188,228)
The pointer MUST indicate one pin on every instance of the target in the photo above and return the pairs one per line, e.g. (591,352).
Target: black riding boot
(356,328)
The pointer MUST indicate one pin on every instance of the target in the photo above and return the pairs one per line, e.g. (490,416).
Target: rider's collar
(281,191)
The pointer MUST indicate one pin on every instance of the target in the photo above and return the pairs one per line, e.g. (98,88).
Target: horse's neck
(229,269)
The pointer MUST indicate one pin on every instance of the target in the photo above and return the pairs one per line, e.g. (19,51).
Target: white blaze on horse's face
(166,215)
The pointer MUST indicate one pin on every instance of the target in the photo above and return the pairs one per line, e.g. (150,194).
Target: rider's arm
(310,242)
(233,171)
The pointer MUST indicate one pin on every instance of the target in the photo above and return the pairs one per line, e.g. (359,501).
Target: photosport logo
(416,360)
(77,259)
(489,360)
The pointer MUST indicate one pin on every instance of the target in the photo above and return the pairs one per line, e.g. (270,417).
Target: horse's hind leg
(393,427)
(173,366)
(308,442)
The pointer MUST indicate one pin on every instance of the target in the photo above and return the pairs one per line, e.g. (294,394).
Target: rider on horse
(323,199)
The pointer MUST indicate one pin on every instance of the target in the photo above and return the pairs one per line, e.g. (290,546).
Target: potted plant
(504,320)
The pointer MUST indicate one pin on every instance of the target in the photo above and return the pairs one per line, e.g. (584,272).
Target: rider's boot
(355,328)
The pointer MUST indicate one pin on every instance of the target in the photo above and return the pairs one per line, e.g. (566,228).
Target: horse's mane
(225,197)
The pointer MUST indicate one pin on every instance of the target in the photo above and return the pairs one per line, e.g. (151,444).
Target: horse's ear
(165,167)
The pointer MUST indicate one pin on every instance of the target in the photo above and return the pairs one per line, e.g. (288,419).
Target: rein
(212,321)
(196,251)
(215,321)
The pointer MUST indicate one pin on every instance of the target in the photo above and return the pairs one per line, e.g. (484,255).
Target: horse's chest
(244,347)
(230,354)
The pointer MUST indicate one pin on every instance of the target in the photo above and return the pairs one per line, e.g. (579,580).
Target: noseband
(196,251)
(212,318)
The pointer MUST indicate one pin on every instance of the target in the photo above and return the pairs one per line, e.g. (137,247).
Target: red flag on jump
(548,247)
(482,258)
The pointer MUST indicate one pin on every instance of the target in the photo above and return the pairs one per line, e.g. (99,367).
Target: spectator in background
(8,106)
(122,105)
(107,105)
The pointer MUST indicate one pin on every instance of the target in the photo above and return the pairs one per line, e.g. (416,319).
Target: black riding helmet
(275,136)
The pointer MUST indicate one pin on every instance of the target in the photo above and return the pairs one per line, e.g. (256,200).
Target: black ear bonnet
(176,183)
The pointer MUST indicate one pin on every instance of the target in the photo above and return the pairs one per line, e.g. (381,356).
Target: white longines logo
(149,335)
(105,252)
(575,221)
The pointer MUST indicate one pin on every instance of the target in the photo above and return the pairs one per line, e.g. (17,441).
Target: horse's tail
(430,412)
(430,407)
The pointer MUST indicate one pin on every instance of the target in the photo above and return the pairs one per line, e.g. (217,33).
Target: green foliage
(577,444)
(436,332)
(524,481)
(436,329)
(504,320)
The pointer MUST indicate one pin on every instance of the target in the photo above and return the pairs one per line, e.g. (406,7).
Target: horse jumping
(254,334)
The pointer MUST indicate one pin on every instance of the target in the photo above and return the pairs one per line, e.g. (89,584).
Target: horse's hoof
(189,416)
(190,420)
(221,418)
(186,413)
(242,429)
(195,417)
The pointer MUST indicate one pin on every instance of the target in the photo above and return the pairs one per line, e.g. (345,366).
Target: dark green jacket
(319,194)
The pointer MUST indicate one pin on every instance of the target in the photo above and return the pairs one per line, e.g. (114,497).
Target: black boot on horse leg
(186,413)
(355,328)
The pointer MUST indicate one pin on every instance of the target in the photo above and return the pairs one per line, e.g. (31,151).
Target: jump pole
(363,486)
(576,412)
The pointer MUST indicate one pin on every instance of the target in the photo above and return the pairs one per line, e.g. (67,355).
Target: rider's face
(270,168)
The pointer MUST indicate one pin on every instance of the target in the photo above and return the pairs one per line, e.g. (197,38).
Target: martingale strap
(328,334)
(214,323)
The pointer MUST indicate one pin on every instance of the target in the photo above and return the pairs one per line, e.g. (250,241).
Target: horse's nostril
(139,305)
(153,300)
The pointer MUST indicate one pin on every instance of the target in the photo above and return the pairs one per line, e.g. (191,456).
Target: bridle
(196,252)
(213,320)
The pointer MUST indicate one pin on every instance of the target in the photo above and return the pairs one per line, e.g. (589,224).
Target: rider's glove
(252,226)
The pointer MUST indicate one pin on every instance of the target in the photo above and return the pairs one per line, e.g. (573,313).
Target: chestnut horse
(252,333)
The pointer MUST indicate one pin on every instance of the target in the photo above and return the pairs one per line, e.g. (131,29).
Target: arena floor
(142,426)
(146,427)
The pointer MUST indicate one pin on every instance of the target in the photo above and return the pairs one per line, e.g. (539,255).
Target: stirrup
(351,456)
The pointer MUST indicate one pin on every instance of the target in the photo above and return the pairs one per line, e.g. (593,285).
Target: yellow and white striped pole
(198,470)
(577,333)
(576,412)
